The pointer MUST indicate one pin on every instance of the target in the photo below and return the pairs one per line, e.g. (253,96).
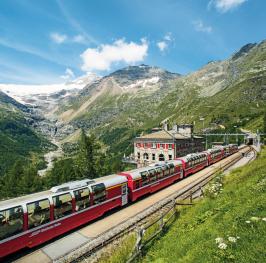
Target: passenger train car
(150,179)
(30,220)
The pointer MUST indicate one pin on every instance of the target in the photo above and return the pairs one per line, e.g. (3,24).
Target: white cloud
(168,37)
(102,57)
(58,38)
(199,26)
(162,45)
(69,74)
(78,39)
(225,5)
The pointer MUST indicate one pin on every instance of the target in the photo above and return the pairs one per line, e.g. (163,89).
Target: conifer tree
(86,158)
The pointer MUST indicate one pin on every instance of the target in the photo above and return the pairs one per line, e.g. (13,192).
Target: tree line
(89,161)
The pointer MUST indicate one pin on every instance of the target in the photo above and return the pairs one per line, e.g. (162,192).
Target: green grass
(119,253)
(192,237)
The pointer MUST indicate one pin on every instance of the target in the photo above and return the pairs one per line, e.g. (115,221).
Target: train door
(124,194)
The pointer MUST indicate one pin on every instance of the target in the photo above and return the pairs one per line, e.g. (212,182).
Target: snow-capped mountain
(38,94)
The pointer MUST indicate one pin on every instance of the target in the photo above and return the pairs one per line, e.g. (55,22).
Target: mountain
(228,94)
(116,99)
(18,139)
(134,99)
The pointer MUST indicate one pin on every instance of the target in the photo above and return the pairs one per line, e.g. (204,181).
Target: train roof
(135,174)
(192,156)
(24,199)
(108,181)
(111,180)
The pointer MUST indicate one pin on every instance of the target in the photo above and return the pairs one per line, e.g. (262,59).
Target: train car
(233,148)
(152,178)
(30,220)
(215,154)
(194,162)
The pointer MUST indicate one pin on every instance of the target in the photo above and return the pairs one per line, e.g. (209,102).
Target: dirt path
(50,157)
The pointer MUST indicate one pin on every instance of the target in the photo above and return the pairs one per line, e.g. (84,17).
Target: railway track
(90,239)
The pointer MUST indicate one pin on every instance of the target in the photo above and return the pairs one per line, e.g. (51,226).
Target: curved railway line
(89,239)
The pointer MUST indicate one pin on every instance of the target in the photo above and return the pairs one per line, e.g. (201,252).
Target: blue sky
(53,41)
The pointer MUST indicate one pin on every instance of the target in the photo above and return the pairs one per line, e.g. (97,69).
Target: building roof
(164,135)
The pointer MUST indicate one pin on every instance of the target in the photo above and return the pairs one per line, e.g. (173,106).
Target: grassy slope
(192,237)
(18,140)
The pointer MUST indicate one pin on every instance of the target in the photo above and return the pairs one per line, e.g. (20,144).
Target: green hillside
(229,227)
(18,141)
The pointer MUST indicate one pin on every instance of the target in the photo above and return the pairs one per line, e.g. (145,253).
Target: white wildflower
(222,246)
(218,240)
(232,239)
(254,218)
(248,222)
(264,219)
(238,237)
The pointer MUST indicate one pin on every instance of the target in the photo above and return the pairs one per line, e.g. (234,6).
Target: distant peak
(244,50)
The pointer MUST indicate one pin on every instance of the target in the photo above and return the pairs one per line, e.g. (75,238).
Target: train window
(166,171)
(159,172)
(99,193)
(38,213)
(152,175)
(144,177)
(82,197)
(11,222)
(172,168)
(62,205)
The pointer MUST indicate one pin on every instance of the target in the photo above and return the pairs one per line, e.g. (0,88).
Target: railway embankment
(228,225)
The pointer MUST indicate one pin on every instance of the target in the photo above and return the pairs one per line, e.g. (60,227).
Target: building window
(170,156)
(145,156)
(161,145)
(153,156)
(138,155)
(161,157)
(153,146)
(170,146)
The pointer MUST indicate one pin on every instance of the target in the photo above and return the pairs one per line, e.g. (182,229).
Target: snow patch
(142,83)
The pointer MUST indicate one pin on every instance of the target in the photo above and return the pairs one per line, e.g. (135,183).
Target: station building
(165,144)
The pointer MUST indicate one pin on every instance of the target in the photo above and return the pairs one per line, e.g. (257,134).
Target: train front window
(38,213)
(11,222)
(82,197)
(62,205)
(99,193)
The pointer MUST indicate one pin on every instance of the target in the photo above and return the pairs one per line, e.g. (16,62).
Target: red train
(30,220)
